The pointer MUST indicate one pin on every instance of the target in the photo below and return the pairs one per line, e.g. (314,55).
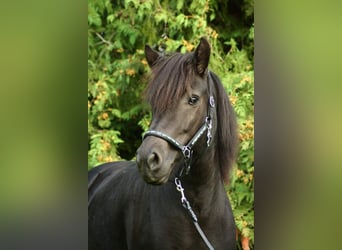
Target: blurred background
(43,147)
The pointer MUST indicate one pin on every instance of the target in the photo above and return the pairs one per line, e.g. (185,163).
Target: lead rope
(187,206)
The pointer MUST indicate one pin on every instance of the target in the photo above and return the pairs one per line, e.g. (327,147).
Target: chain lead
(184,200)
(187,206)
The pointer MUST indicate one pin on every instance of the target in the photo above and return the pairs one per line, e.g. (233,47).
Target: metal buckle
(211,101)
(209,127)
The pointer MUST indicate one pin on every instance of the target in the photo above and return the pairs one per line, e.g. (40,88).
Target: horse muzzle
(155,160)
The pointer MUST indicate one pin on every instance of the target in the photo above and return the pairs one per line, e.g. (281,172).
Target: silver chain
(184,200)
(186,205)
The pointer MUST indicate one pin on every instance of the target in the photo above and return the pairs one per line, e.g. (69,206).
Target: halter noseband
(187,150)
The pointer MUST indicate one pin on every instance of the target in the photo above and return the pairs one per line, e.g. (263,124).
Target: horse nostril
(153,161)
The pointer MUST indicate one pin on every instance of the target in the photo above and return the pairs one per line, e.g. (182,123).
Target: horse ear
(202,56)
(151,55)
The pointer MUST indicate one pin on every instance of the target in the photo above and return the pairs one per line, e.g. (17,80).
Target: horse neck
(204,185)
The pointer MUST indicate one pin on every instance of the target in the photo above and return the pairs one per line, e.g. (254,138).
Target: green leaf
(180,4)
(116,112)
(110,18)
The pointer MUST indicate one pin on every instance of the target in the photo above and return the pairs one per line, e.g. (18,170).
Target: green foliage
(239,83)
(118,74)
(241,190)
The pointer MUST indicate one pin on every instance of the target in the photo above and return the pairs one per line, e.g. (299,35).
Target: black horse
(173,196)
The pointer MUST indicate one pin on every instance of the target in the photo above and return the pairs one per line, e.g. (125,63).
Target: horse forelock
(171,76)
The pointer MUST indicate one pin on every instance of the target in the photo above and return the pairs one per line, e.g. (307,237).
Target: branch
(103,40)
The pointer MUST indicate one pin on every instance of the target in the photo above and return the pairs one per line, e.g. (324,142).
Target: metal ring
(186,152)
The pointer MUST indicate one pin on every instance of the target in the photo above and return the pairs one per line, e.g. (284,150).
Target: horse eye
(193,100)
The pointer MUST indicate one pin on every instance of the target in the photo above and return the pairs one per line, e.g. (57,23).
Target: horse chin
(155,181)
(156,178)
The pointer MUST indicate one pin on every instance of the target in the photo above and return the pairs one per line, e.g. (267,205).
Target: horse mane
(227,136)
(171,76)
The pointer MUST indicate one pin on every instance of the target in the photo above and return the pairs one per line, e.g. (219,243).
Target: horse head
(179,94)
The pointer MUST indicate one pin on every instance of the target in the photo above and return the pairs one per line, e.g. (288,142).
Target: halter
(187,152)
